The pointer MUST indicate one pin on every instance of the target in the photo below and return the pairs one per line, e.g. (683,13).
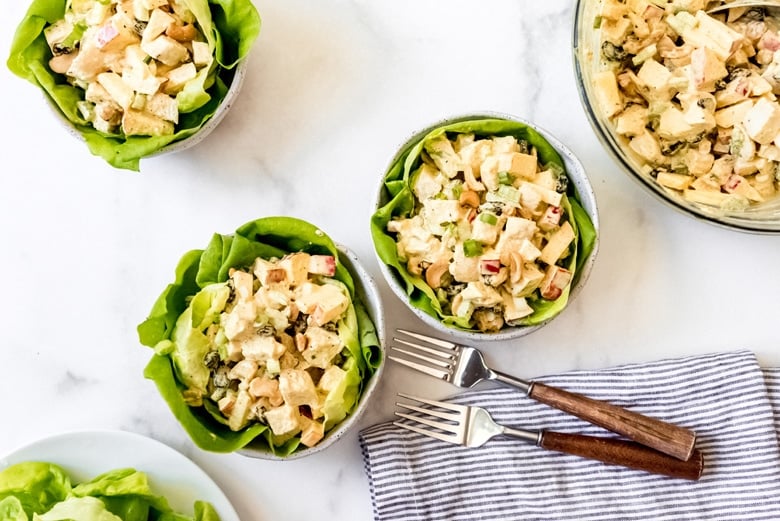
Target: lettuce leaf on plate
(400,201)
(40,490)
(230,27)
(201,270)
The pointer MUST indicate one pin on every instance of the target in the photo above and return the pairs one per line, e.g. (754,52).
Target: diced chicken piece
(550,218)
(244,370)
(771,152)
(697,162)
(166,50)
(240,319)
(632,121)
(556,279)
(321,347)
(332,378)
(528,251)
(283,420)
(515,308)
(707,69)
(436,212)
(312,431)
(674,181)
(242,284)
(762,121)
(607,92)
(656,78)
(322,265)
(324,302)
(262,348)
(165,107)
(759,86)
(488,173)
(475,153)
(119,91)
(297,387)
(646,146)
(529,279)
(153,4)
(56,33)
(226,403)
(140,12)
(481,295)
(296,266)
(462,268)
(615,31)
(552,197)
(519,228)
(201,54)
(505,144)
(140,123)
(426,182)
(702,30)
(239,415)
(558,244)
(159,21)
(728,116)
(530,196)
(484,232)
(443,155)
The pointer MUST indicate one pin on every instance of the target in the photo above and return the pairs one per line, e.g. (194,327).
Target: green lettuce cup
(434,215)
(226,31)
(268,341)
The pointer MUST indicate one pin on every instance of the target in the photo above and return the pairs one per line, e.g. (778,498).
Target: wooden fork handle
(662,436)
(624,453)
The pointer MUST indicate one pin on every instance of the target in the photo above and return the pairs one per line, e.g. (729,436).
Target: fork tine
(438,414)
(435,351)
(450,438)
(435,341)
(447,427)
(436,373)
(443,405)
(442,362)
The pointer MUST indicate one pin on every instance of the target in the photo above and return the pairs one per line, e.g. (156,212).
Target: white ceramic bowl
(365,290)
(188,142)
(577,177)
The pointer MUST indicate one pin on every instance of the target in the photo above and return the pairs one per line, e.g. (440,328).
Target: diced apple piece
(707,69)
(140,123)
(674,181)
(632,121)
(297,387)
(550,219)
(239,415)
(165,107)
(119,91)
(322,265)
(556,279)
(283,420)
(297,267)
(646,146)
(607,92)
(557,244)
(312,432)
(178,77)
(115,35)
(201,54)
(159,21)
(728,116)
(762,121)
(523,165)
(737,184)
(166,50)
(515,308)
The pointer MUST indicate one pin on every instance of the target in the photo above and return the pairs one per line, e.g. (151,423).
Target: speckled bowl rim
(747,221)
(577,176)
(367,292)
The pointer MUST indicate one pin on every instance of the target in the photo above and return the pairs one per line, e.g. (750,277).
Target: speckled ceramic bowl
(366,290)
(578,179)
(762,218)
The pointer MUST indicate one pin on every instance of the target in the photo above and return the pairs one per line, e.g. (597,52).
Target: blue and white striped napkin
(727,398)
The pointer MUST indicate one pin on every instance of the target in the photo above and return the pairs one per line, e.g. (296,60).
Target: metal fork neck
(506,379)
(534,437)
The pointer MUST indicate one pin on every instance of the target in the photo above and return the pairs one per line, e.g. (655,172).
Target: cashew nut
(435,273)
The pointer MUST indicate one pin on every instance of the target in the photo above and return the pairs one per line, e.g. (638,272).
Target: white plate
(86,454)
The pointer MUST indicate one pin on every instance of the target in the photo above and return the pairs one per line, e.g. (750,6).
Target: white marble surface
(332,88)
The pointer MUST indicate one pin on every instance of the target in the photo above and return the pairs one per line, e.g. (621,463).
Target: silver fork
(473,427)
(464,366)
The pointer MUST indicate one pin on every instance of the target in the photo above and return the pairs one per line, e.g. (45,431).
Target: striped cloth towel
(731,403)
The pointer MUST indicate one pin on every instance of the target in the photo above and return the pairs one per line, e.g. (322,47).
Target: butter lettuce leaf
(400,202)
(231,28)
(208,268)
(36,485)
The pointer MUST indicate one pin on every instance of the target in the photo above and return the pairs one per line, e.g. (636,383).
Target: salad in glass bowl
(266,341)
(479,227)
(131,77)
